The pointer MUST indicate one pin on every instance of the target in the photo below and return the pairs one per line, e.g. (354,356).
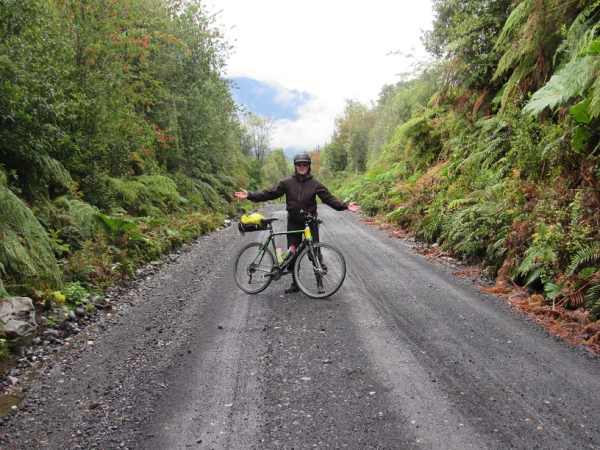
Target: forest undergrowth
(491,152)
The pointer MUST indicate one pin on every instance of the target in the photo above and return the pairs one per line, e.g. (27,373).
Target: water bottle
(288,253)
(280,255)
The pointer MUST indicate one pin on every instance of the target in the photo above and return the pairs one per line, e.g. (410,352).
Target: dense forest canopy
(493,149)
(119,138)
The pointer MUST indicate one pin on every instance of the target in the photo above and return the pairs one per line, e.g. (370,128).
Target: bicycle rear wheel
(320,271)
(253,268)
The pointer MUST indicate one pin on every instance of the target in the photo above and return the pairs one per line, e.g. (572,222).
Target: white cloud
(332,49)
(313,126)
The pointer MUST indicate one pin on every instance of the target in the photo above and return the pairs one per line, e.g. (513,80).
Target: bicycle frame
(307,240)
(310,259)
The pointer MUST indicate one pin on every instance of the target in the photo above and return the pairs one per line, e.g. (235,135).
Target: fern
(528,35)
(593,293)
(580,33)
(541,258)
(569,82)
(516,19)
(592,297)
(594,107)
(584,257)
(580,73)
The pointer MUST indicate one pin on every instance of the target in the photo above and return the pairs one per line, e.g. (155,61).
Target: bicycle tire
(239,273)
(340,270)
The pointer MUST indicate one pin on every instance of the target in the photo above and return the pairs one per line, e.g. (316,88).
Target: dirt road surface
(404,356)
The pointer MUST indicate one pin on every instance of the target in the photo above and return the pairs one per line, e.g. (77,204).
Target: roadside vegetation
(492,151)
(119,141)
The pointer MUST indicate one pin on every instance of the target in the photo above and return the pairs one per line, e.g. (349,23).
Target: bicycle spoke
(320,272)
(253,267)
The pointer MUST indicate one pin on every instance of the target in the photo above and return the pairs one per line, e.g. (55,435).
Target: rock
(12,380)
(71,328)
(80,311)
(52,333)
(17,317)
(72,316)
(98,301)
(60,314)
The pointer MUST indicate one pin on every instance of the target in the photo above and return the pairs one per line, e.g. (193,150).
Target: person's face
(302,168)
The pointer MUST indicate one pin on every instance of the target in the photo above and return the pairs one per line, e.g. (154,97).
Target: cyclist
(300,190)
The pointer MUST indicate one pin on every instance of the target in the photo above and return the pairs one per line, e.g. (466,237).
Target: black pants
(296,238)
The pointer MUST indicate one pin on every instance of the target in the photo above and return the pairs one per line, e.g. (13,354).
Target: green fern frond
(460,202)
(592,299)
(594,107)
(569,82)
(581,31)
(593,293)
(584,257)
(525,67)
(517,17)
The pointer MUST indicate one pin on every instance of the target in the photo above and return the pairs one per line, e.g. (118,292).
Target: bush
(148,195)
(26,255)
(69,221)
(76,294)
(207,192)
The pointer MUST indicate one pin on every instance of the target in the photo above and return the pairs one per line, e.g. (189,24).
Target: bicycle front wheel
(253,268)
(320,270)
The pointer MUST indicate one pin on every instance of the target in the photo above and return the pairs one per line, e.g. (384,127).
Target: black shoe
(293,288)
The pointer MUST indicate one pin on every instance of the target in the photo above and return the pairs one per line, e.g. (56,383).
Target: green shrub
(69,222)
(147,195)
(540,261)
(416,143)
(206,191)
(76,294)
(26,253)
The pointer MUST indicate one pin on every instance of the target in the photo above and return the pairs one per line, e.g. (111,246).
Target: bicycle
(319,268)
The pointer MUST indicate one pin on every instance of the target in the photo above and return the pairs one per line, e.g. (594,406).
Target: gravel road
(404,356)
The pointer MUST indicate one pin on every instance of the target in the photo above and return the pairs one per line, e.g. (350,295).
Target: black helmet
(302,158)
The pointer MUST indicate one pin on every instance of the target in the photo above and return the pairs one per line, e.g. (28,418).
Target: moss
(25,249)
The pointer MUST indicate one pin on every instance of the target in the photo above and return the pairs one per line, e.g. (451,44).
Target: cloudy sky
(298,61)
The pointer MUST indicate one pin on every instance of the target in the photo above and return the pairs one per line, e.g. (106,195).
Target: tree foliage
(492,151)
(116,110)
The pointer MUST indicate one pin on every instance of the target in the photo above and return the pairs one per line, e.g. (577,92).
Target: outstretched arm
(329,199)
(268,194)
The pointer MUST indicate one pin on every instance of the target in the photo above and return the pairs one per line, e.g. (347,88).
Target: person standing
(301,191)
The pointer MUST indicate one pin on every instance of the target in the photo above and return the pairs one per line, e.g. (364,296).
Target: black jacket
(300,193)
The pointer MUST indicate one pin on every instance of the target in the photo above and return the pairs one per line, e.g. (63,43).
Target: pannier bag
(252,222)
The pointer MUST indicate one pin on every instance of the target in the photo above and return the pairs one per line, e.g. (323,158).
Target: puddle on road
(7,401)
